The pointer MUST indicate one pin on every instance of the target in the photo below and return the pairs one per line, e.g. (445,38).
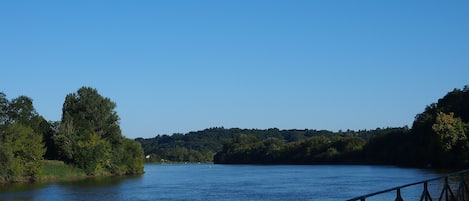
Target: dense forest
(88,137)
(201,146)
(248,145)
(439,137)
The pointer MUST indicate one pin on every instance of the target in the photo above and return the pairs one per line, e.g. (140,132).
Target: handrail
(463,190)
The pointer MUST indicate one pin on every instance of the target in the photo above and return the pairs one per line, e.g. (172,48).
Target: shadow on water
(16,187)
(47,190)
(97,182)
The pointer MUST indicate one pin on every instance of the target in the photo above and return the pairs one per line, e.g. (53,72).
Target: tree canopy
(21,139)
(265,146)
(440,133)
(88,137)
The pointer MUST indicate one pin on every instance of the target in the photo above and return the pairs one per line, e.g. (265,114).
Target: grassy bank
(58,170)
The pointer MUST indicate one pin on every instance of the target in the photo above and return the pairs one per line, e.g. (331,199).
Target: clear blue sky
(179,66)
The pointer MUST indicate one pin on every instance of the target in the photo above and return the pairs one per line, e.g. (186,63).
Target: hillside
(201,146)
(439,137)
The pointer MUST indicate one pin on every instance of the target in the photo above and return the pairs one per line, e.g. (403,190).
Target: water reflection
(107,188)
(104,188)
(20,191)
(16,187)
(97,182)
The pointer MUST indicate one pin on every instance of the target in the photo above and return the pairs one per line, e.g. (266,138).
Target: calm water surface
(229,182)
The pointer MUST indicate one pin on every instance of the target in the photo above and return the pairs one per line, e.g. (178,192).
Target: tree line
(235,145)
(201,146)
(439,137)
(88,137)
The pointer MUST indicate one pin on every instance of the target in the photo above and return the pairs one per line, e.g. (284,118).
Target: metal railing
(446,193)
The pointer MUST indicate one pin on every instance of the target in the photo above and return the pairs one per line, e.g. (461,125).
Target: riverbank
(54,170)
(58,170)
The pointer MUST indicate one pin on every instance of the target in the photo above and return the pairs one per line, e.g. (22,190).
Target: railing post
(463,190)
(398,195)
(448,193)
(425,194)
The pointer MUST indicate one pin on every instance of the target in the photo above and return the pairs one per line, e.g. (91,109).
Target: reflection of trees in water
(105,188)
(20,191)
(96,182)
(17,187)
(98,188)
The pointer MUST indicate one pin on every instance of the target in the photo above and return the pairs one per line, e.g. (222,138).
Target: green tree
(85,113)
(93,154)
(6,160)
(128,158)
(65,140)
(3,109)
(450,130)
(27,150)
(88,111)
(90,136)
(434,142)
(21,143)
(21,110)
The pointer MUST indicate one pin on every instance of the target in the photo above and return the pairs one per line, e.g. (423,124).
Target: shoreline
(57,171)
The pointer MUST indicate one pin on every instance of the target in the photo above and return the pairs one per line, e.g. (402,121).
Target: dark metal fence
(453,188)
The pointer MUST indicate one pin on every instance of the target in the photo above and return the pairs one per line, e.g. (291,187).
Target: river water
(229,182)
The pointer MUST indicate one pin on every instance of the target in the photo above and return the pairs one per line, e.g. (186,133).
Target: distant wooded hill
(439,137)
(201,146)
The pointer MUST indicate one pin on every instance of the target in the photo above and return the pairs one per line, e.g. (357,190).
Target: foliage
(129,157)
(90,137)
(201,146)
(391,147)
(21,153)
(317,149)
(26,149)
(21,144)
(6,161)
(85,113)
(93,154)
(451,131)
(439,128)
(438,137)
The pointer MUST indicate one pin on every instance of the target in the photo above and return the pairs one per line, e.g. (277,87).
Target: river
(228,182)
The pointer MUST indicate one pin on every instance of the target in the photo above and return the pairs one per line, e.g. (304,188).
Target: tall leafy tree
(90,135)
(88,111)
(128,158)
(21,144)
(21,110)
(453,140)
(437,132)
(450,130)
(27,150)
(3,109)
(84,114)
